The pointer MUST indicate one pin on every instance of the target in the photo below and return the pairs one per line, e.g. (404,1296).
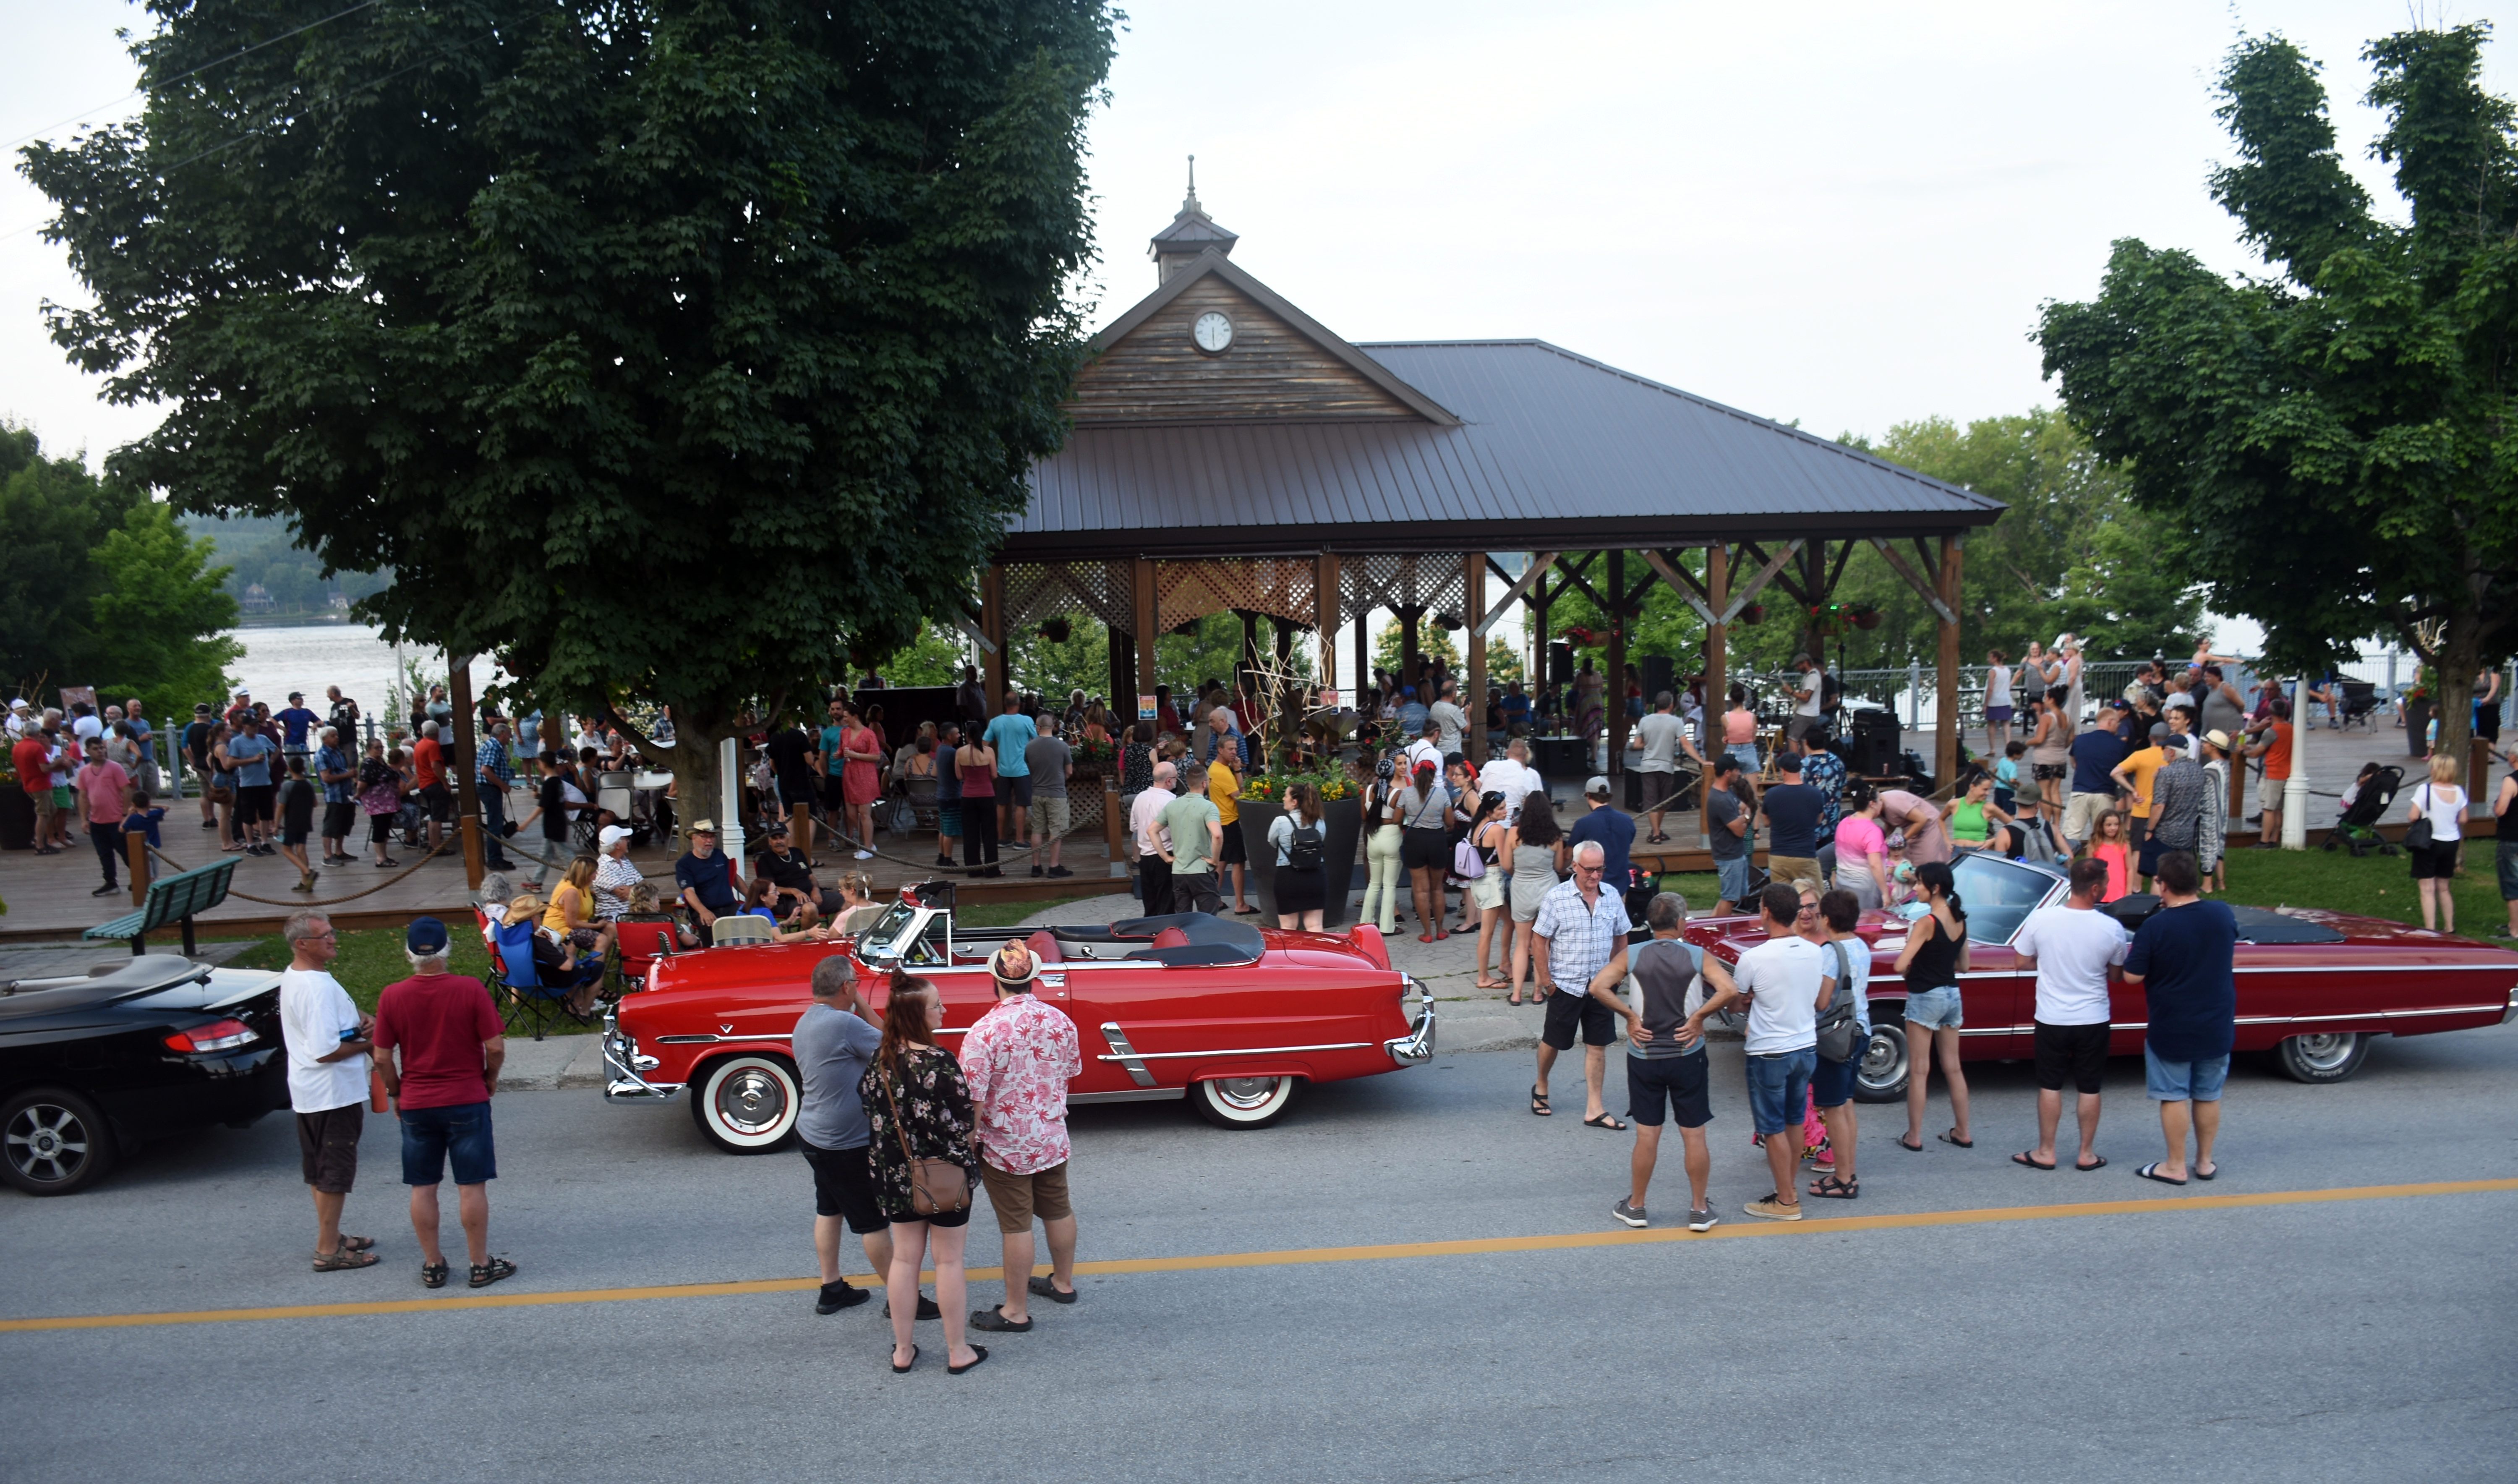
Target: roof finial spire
(1191,205)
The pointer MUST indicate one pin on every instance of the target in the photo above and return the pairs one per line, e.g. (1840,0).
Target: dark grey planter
(2417,721)
(1342,821)
(17,820)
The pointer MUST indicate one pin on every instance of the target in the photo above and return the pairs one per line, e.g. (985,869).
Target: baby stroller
(2362,805)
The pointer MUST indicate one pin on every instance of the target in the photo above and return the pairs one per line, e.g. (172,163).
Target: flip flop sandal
(2199,1175)
(1539,1102)
(485,1273)
(978,1353)
(343,1258)
(1606,1121)
(1912,1149)
(2023,1157)
(1829,1187)
(1951,1136)
(432,1275)
(2150,1171)
(898,1369)
(2101,1163)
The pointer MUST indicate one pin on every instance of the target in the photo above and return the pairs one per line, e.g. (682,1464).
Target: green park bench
(171,900)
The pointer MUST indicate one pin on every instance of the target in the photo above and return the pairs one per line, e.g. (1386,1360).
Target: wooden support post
(1613,692)
(1122,679)
(1249,646)
(1717,596)
(1473,626)
(459,763)
(134,851)
(1408,651)
(1150,629)
(1363,650)
(1324,599)
(1945,726)
(992,623)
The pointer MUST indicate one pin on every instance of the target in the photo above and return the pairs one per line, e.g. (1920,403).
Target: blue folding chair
(529,999)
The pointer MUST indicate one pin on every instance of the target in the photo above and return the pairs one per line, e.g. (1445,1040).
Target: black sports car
(91,1068)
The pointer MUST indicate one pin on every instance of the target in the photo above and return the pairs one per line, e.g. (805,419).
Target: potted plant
(1342,823)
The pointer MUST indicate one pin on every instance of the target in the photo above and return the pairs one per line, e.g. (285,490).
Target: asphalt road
(2359,1338)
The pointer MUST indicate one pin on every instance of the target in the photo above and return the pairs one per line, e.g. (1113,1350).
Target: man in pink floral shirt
(1017,1061)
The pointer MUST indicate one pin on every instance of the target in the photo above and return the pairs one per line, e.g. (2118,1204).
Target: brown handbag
(937,1187)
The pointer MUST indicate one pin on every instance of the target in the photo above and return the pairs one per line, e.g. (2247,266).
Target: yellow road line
(1298,1256)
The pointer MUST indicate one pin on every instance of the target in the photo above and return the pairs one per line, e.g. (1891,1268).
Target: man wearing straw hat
(1017,1061)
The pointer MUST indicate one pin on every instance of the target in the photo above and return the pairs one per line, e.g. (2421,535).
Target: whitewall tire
(747,1104)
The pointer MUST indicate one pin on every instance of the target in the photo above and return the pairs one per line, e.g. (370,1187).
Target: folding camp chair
(529,999)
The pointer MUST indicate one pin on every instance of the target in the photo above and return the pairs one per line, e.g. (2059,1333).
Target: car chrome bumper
(623,1068)
(1417,1045)
(2511,1011)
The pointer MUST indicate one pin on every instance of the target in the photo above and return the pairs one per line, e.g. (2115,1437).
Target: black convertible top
(2256,925)
(1211,939)
(147,974)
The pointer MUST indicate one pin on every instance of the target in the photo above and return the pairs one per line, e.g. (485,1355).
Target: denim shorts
(1831,1084)
(1777,1085)
(1747,753)
(430,1136)
(1934,1009)
(1734,876)
(2507,862)
(2183,1081)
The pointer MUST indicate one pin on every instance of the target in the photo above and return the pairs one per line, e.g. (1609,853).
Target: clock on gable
(1212,332)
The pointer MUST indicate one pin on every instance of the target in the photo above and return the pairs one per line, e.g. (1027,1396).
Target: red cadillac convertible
(2314,987)
(1234,1018)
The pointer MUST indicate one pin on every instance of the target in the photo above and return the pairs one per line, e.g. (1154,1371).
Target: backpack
(1305,851)
(1838,1031)
(1468,862)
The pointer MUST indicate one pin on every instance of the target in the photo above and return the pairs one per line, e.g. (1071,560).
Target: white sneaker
(865,855)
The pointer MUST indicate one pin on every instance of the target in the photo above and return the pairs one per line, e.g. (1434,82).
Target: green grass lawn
(372,959)
(2372,886)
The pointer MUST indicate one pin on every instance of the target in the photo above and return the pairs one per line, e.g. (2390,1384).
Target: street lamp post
(2295,831)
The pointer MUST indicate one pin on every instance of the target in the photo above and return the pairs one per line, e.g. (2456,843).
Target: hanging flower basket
(1058,631)
(1865,618)
(1755,613)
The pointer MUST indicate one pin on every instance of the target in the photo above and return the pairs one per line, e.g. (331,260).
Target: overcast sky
(1845,214)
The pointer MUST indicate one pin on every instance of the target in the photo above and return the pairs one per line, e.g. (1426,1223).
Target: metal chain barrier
(438,849)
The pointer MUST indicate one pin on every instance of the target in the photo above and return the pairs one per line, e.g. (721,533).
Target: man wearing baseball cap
(1017,1059)
(439,1045)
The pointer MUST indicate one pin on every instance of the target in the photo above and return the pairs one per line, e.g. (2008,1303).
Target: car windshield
(883,934)
(1999,894)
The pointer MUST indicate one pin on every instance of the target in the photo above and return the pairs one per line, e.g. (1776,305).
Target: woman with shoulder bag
(1381,851)
(1425,845)
(2432,838)
(1934,956)
(1530,848)
(1482,847)
(1846,959)
(925,1157)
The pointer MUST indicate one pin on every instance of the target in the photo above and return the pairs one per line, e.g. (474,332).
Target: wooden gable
(1152,372)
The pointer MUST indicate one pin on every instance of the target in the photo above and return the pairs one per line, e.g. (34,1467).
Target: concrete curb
(560,1062)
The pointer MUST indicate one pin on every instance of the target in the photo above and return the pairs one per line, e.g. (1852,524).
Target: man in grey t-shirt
(1450,720)
(1665,1063)
(1661,739)
(835,1040)
(1049,760)
(1731,821)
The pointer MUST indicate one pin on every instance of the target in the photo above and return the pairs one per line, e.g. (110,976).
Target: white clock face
(1213,332)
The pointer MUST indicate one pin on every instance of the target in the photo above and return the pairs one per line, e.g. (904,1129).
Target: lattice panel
(1287,587)
(1035,590)
(1389,581)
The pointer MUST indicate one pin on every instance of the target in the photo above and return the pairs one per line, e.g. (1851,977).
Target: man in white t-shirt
(1806,709)
(1450,722)
(1429,746)
(1784,982)
(1512,776)
(2071,948)
(327,1041)
(1662,739)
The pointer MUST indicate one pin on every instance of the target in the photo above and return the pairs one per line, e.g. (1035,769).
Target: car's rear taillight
(217,1035)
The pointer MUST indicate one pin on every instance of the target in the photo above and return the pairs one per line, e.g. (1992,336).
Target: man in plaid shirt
(1017,1061)
(497,775)
(1581,940)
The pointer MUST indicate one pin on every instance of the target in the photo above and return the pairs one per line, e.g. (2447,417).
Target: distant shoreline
(295,620)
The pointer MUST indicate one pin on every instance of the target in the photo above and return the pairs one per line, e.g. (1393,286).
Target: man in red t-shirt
(2274,746)
(439,1045)
(428,769)
(33,761)
(102,794)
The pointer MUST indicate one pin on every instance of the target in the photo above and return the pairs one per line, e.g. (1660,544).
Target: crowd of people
(898,1134)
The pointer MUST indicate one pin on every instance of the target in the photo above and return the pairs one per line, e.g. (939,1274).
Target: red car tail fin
(1367,940)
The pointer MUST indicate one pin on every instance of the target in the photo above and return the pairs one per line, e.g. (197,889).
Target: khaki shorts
(1050,814)
(2081,816)
(1796,868)
(1017,1198)
(2269,792)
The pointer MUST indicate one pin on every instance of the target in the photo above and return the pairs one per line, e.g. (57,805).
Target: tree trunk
(2459,659)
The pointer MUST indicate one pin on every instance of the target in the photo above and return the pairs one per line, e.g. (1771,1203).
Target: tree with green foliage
(664,352)
(2336,444)
(102,588)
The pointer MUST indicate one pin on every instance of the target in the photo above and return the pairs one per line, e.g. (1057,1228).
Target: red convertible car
(1232,1017)
(2314,986)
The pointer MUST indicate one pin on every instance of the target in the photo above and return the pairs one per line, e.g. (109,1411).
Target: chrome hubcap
(46,1142)
(1245,1094)
(751,1101)
(2327,1052)
(1884,1059)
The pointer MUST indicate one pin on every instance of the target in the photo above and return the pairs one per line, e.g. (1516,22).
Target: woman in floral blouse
(915,1096)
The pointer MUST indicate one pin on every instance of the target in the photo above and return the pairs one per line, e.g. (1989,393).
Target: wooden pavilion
(1231,452)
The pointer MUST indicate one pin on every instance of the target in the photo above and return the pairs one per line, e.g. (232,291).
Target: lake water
(279,659)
